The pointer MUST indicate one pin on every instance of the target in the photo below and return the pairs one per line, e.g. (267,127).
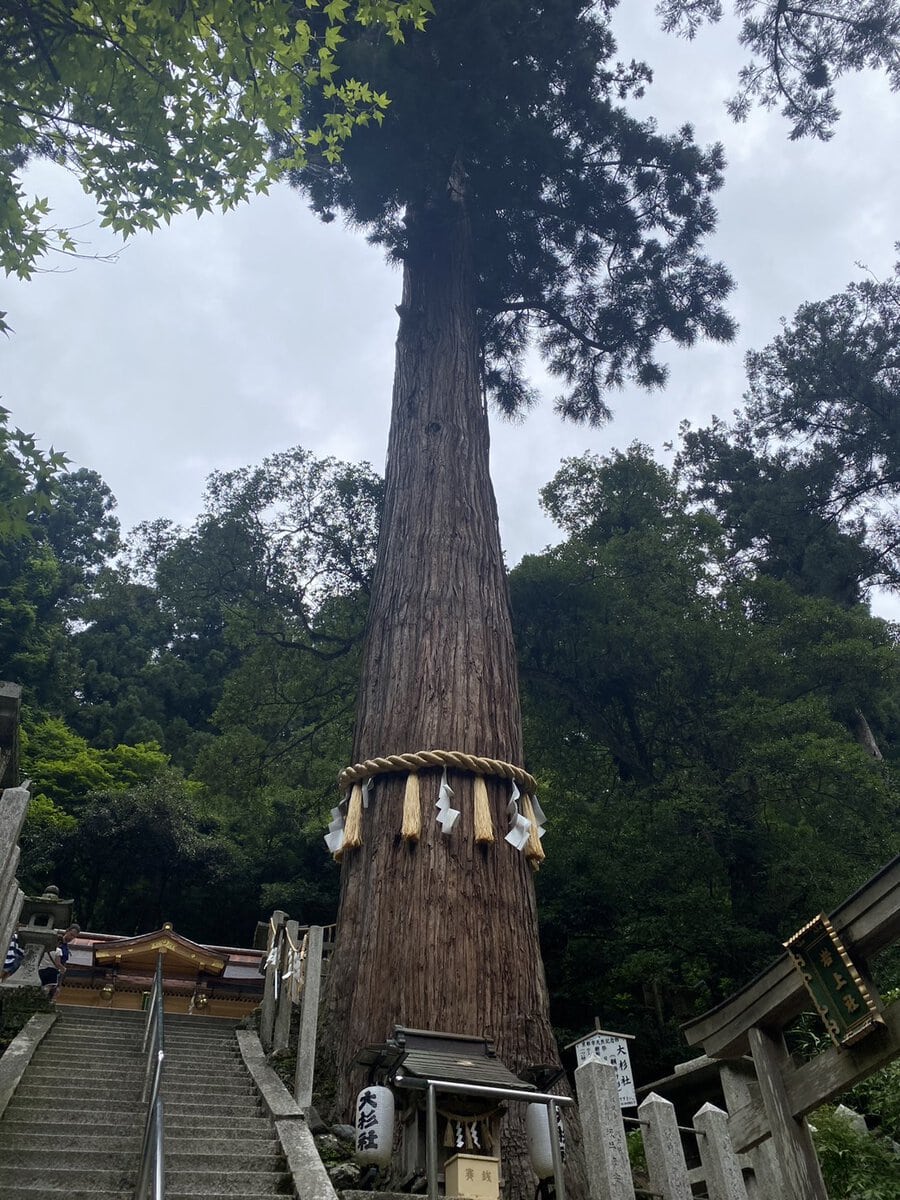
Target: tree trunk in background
(863,733)
(439,934)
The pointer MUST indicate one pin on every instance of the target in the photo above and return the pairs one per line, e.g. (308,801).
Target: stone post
(282,1034)
(605,1148)
(724,1178)
(309,1019)
(267,1015)
(13,806)
(662,1146)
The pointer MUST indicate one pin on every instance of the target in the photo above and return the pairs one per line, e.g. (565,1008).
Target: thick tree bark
(442,933)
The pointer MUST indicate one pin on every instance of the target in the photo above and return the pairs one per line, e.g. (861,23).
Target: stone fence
(606,1148)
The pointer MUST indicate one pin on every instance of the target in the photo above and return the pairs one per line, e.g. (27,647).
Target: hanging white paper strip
(289,972)
(366,788)
(447,815)
(334,838)
(539,816)
(519,826)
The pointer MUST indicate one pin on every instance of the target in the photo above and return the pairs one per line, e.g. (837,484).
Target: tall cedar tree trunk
(439,934)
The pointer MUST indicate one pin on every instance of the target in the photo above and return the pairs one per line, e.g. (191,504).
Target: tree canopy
(696,725)
(160,106)
(587,223)
(800,49)
(805,478)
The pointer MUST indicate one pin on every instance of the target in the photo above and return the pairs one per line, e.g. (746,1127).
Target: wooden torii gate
(774,1104)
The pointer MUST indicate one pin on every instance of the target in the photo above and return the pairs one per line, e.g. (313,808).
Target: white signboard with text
(610,1048)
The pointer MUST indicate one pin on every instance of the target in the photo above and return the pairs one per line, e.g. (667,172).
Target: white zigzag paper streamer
(334,838)
(447,815)
(519,826)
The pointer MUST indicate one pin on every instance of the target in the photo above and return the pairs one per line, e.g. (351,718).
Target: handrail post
(152,1160)
(431,1166)
(556,1151)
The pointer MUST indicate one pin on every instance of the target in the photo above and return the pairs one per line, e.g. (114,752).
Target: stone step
(218,1092)
(202,1066)
(109,1018)
(80,1112)
(214,1109)
(95,1034)
(108,1159)
(134,1035)
(39,1190)
(65,1180)
(208,1084)
(72,1184)
(62,1090)
(187,1128)
(97,1110)
(89,1072)
(179,1125)
(259,1161)
(74,1140)
(85,1048)
(221,1146)
(45,1058)
(60,1138)
(205,1183)
(127,1051)
(72,1018)
(179,1195)
(102,1159)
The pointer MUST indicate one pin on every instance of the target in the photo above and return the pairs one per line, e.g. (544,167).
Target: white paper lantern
(540,1147)
(374,1126)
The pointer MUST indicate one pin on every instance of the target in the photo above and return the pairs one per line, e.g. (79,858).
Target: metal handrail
(151,1180)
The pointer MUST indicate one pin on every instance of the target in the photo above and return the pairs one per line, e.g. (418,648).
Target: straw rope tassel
(411,828)
(534,851)
(353,824)
(484,829)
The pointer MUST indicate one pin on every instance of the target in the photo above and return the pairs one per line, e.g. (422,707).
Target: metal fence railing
(151,1179)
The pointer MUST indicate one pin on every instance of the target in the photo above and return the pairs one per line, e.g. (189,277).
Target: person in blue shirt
(51,977)
(13,960)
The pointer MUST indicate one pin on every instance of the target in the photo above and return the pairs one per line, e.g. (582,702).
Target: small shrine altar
(449,1092)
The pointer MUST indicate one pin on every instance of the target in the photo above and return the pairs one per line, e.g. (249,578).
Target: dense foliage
(799,51)
(161,107)
(713,719)
(587,224)
(696,725)
(710,707)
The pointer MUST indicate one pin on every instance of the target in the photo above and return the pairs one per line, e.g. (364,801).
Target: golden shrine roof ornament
(179,952)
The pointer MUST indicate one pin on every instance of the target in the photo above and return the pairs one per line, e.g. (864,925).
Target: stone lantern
(44,917)
(42,920)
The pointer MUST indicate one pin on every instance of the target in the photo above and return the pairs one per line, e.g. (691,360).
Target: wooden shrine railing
(295,958)
(767,1109)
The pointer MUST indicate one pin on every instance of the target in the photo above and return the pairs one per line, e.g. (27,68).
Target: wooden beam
(867,922)
(801,1177)
(820,1080)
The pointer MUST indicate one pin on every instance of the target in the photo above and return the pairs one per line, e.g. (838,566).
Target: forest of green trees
(711,709)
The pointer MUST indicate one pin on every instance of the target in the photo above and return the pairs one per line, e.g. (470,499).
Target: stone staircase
(73,1128)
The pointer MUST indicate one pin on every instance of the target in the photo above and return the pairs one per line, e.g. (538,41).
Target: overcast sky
(213,343)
